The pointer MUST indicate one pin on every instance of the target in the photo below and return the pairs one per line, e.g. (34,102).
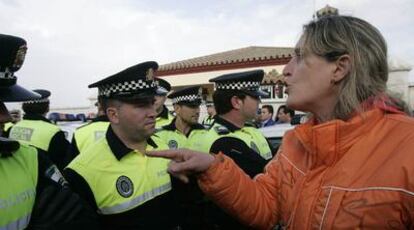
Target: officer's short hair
(117,101)
(36,108)
(222,100)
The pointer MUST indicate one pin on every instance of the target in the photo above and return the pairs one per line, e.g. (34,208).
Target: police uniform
(209,120)
(89,134)
(27,176)
(165,117)
(127,189)
(36,130)
(248,149)
(173,137)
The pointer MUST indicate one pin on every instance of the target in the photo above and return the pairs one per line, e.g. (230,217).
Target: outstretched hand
(184,162)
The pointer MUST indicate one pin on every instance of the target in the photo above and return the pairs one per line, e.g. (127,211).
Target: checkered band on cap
(238,85)
(37,101)
(7,74)
(122,87)
(191,97)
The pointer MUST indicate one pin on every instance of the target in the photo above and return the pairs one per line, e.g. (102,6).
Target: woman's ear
(342,68)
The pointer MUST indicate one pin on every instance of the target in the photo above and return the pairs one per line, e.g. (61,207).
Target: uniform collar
(118,148)
(172,127)
(100,118)
(35,117)
(230,126)
(164,113)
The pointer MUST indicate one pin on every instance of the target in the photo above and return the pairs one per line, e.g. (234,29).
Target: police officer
(211,112)
(88,134)
(127,189)
(236,99)
(164,117)
(35,129)
(186,104)
(33,193)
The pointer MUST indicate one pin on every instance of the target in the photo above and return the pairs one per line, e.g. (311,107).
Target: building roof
(239,58)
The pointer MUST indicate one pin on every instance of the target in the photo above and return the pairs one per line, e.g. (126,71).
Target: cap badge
(20,55)
(150,74)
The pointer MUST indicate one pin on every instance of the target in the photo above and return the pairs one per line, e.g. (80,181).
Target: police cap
(12,53)
(247,82)
(187,96)
(44,97)
(133,82)
(163,87)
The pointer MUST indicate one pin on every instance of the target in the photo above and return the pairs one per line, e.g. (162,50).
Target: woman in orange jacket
(350,166)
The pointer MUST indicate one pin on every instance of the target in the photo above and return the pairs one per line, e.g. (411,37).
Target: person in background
(35,129)
(285,115)
(127,189)
(350,166)
(33,193)
(266,115)
(211,112)
(186,104)
(236,100)
(88,134)
(164,117)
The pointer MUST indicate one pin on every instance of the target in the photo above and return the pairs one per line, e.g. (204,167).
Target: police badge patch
(172,144)
(150,74)
(124,186)
(254,147)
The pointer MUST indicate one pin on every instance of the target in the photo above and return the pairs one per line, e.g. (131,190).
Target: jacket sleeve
(253,201)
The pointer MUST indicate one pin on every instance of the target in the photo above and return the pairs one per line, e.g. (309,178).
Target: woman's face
(308,82)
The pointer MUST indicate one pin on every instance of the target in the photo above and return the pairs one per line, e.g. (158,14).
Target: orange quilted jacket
(357,174)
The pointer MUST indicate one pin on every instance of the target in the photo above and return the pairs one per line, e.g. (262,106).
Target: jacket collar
(100,118)
(164,113)
(35,117)
(230,126)
(172,127)
(118,148)
(328,142)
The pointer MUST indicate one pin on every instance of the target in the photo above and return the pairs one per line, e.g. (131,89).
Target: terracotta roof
(245,57)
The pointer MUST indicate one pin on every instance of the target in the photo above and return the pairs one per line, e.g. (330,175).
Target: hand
(55,205)
(184,162)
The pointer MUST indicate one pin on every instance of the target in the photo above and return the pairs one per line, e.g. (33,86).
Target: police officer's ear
(236,102)
(112,114)
(176,108)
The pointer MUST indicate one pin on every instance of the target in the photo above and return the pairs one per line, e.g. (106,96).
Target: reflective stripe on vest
(122,185)
(136,201)
(21,223)
(18,180)
(34,132)
(89,134)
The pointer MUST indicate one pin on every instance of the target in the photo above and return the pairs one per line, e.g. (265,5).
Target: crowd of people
(138,165)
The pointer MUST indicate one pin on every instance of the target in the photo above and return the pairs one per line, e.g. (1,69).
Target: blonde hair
(333,36)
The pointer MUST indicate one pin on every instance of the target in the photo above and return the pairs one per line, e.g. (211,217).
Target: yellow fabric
(34,132)
(89,134)
(103,171)
(18,180)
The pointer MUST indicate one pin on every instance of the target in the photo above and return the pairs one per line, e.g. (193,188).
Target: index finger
(172,154)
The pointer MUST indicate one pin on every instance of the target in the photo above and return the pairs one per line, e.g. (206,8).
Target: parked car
(274,134)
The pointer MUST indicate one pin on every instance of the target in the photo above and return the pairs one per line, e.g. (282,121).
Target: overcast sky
(77,42)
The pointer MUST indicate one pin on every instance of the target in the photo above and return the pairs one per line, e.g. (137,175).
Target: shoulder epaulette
(8,146)
(221,130)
